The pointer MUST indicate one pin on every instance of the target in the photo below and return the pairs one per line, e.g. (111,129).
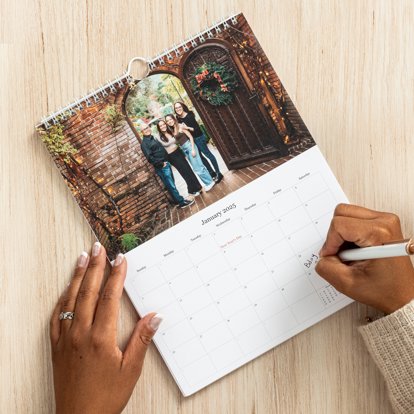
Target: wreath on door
(214,83)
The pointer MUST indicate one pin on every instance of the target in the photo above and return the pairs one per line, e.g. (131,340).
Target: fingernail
(119,259)
(96,249)
(83,258)
(155,322)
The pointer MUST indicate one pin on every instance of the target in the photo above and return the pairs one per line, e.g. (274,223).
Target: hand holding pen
(386,284)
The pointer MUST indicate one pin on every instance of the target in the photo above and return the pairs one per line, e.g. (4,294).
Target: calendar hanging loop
(142,61)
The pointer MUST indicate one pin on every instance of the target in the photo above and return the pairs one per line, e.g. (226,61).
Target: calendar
(238,278)
(202,172)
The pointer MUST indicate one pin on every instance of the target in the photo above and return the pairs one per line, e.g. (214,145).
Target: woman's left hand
(193,153)
(91,374)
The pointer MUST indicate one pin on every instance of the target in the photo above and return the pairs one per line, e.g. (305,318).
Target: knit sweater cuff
(390,341)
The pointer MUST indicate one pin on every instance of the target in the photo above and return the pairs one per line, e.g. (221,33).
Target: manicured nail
(155,322)
(119,259)
(83,258)
(96,249)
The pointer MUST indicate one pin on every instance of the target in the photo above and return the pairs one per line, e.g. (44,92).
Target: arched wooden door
(243,132)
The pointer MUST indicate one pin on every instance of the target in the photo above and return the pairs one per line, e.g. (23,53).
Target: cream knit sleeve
(390,341)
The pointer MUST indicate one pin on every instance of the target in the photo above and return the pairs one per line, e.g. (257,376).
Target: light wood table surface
(349,68)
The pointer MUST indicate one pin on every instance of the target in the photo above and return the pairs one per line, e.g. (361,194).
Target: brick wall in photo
(112,181)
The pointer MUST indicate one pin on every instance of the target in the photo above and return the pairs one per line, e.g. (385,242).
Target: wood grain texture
(349,68)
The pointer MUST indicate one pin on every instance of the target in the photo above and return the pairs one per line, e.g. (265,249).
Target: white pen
(393,249)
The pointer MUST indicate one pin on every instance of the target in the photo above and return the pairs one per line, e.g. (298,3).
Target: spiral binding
(119,82)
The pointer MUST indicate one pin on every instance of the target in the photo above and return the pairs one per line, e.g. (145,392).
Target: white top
(170,145)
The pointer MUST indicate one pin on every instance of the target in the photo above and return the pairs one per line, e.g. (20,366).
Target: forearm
(192,142)
(147,153)
(185,126)
(190,137)
(390,341)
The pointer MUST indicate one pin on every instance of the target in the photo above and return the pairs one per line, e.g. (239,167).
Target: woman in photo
(186,142)
(177,158)
(187,118)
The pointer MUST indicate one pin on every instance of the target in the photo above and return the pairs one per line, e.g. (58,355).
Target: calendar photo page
(205,176)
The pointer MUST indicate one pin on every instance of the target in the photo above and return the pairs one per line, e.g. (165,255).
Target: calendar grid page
(237,279)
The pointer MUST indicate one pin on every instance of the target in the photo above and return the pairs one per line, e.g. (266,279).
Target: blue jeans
(201,143)
(166,175)
(196,163)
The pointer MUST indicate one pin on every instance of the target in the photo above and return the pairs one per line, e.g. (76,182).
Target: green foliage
(56,143)
(138,100)
(214,83)
(114,117)
(129,241)
(154,96)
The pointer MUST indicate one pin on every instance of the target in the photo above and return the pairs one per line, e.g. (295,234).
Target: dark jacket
(154,152)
